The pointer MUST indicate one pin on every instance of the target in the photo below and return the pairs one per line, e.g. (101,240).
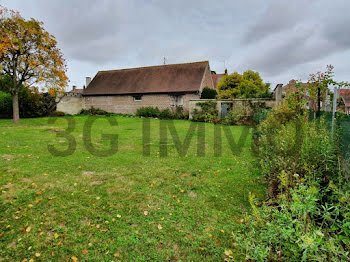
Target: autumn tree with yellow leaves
(29,55)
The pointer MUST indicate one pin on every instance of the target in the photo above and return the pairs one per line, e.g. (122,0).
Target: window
(177,100)
(138,98)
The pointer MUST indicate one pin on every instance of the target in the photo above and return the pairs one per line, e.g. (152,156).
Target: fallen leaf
(28,229)
(228,252)
(160,227)
(37,254)
(85,251)
(145,213)
(119,216)
(56,235)
(97,226)
(74,259)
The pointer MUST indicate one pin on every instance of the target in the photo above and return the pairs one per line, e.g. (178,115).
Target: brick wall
(124,104)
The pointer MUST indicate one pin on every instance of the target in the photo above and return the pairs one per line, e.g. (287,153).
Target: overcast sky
(282,40)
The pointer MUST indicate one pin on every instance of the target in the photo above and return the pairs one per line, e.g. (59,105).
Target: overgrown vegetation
(207,113)
(307,215)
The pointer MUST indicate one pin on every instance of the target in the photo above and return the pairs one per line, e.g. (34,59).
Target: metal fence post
(334,106)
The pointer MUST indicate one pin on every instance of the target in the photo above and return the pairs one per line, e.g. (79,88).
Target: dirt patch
(55,130)
(88,173)
(96,183)
(8,157)
(192,194)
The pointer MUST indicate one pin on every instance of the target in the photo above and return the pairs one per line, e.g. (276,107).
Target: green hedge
(31,104)
(5,105)
(177,113)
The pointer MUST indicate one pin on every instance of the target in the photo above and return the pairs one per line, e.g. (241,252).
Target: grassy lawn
(127,206)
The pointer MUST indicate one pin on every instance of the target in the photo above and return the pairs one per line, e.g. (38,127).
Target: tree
(28,55)
(248,85)
(208,93)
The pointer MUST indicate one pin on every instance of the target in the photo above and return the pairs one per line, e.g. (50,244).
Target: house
(125,90)
(217,77)
(345,94)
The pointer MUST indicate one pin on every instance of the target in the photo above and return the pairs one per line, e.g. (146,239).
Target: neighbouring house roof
(216,78)
(173,78)
(345,93)
(76,91)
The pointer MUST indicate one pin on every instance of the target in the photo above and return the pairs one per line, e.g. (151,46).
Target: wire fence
(342,130)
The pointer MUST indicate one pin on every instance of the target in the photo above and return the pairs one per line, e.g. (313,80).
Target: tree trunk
(15,107)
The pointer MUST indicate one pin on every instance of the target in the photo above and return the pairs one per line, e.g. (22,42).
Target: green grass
(126,207)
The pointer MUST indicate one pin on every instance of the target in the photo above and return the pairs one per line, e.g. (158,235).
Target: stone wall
(124,104)
(71,104)
(235,103)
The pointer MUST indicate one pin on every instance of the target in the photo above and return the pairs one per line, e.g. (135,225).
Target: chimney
(74,87)
(88,80)
(225,71)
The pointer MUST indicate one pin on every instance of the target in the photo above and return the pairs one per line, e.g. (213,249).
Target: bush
(260,115)
(31,104)
(208,93)
(166,114)
(298,227)
(58,113)
(208,112)
(307,217)
(5,104)
(178,113)
(148,111)
(232,118)
(94,112)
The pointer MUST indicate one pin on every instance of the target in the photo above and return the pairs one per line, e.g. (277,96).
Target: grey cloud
(278,16)
(279,38)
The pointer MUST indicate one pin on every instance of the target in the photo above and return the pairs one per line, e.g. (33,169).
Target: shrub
(5,104)
(31,104)
(148,111)
(166,114)
(58,113)
(298,227)
(260,115)
(94,112)
(232,118)
(179,113)
(208,112)
(208,93)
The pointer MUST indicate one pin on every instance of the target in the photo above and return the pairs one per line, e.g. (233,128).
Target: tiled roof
(154,79)
(76,91)
(216,78)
